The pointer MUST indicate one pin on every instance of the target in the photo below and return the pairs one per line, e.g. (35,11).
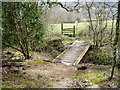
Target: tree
(21,25)
(98,17)
(116,41)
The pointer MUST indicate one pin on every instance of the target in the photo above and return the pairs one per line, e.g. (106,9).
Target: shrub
(98,57)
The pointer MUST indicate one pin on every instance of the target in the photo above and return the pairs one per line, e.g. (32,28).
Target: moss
(97,75)
(54,53)
(22,80)
(34,54)
(52,38)
(35,62)
(17,53)
(69,39)
(15,86)
(77,38)
(21,74)
(50,86)
(92,76)
(47,62)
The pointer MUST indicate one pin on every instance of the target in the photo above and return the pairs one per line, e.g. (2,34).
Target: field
(56,28)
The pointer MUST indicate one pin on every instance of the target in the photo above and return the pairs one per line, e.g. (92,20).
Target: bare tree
(112,16)
(116,41)
(99,24)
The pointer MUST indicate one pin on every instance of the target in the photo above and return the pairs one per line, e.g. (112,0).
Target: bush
(98,57)
(54,53)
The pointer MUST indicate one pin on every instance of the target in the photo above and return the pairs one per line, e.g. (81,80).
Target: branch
(64,6)
(76,4)
(13,47)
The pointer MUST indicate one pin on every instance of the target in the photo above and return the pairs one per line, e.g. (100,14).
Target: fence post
(74,30)
(62,28)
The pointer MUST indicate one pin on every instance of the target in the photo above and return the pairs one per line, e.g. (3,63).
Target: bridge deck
(74,53)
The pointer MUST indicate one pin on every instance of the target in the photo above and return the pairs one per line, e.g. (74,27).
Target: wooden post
(74,30)
(62,28)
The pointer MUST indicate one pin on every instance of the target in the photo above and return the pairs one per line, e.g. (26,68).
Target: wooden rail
(81,56)
(67,31)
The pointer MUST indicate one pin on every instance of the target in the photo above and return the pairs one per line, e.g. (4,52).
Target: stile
(67,31)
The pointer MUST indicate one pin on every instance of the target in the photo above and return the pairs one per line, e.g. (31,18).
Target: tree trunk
(26,55)
(91,23)
(116,41)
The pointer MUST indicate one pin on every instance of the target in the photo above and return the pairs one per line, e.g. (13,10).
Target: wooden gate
(68,31)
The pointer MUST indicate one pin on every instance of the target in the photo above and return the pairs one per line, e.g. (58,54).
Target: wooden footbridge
(74,53)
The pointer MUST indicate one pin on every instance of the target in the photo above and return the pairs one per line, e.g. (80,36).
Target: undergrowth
(97,75)
(22,80)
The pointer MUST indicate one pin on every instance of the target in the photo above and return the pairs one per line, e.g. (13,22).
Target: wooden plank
(68,29)
(81,56)
(79,49)
(64,52)
(67,32)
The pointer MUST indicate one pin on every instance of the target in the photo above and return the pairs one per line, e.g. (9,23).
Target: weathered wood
(74,53)
(74,30)
(66,31)
(81,56)
(62,28)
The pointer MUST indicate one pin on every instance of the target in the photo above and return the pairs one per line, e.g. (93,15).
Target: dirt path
(59,75)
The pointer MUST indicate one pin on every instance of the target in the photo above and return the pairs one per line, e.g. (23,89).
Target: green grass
(92,76)
(56,28)
(69,39)
(22,80)
(17,53)
(31,62)
(97,75)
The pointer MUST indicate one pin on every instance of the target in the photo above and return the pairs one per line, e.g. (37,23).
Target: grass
(69,39)
(15,86)
(22,80)
(17,53)
(35,62)
(97,75)
(56,28)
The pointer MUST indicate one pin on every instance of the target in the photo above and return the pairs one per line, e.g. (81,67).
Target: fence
(68,31)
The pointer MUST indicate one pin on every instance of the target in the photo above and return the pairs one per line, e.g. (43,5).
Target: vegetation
(32,39)
(96,75)
(22,26)
(21,80)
